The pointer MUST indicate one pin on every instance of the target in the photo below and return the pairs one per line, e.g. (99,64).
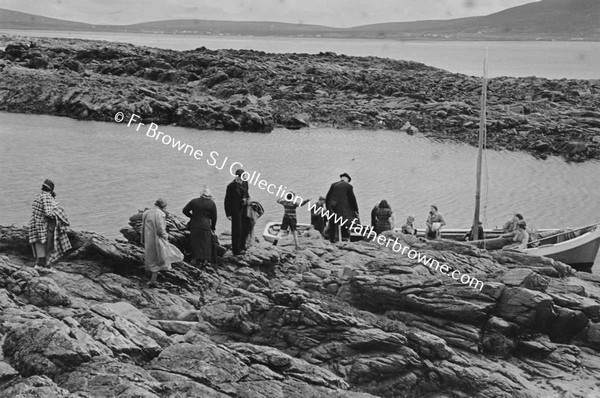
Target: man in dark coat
(236,203)
(202,212)
(341,200)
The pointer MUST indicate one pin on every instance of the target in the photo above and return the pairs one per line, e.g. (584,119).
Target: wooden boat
(576,247)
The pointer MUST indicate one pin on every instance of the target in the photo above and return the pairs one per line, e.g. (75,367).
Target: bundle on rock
(179,235)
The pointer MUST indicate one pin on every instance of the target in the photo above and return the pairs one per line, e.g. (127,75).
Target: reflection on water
(104,172)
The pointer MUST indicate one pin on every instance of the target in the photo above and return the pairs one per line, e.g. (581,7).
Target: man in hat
(341,200)
(236,203)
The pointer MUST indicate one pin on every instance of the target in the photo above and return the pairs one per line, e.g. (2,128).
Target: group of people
(340,199)
(515,231)
(383,219)
(48,237)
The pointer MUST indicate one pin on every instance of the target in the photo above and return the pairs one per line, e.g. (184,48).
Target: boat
(577,247)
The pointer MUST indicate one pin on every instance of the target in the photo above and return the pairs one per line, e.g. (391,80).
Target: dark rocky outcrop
(343,320)
(255,91)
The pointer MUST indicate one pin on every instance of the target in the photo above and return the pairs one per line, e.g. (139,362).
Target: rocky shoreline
(255,91)
(343,320)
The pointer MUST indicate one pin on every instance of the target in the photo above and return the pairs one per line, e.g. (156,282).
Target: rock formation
(342,320)
(255,91)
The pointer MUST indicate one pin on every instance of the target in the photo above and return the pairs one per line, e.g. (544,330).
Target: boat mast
(482,133)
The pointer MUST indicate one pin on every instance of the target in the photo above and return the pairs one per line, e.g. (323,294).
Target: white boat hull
(579,252)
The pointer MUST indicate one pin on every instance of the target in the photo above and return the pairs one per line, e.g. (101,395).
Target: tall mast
(482,133)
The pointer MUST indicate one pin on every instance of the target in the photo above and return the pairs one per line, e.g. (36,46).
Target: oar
(559,234)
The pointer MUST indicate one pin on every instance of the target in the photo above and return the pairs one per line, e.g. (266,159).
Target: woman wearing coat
(159,253)
(202,212)
(47,229)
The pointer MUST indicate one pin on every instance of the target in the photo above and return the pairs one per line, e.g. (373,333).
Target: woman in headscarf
(159,253)
(47,229)
(202,212)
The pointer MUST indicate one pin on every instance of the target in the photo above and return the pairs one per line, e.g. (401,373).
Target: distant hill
(20,20)
(543,20)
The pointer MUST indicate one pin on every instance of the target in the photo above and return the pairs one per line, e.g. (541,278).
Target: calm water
(105,172)
(577,60)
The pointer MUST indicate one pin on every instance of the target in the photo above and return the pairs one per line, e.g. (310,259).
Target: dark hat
(435,207)
(49,185)
(346,175)
(160,203)
(239,172)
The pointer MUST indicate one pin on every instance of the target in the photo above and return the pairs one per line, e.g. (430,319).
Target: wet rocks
(267,324)
(254,91)
(49,347)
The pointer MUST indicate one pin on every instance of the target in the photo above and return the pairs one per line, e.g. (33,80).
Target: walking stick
(339,233)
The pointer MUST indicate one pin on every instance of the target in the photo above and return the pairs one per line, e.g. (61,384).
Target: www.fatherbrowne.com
(368,233)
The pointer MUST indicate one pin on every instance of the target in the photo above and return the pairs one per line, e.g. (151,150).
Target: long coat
(341,200)
(154,229)
(235,207)
(203,214)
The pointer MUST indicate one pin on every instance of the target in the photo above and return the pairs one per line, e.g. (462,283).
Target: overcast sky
(336,13)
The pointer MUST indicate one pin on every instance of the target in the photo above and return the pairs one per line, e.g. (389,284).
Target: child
(289,216)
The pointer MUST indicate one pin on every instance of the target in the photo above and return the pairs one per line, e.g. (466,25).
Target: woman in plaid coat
(47,229)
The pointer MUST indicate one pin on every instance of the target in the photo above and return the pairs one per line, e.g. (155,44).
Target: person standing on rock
(236,202)
(340,199)
(384,217)
(159,253)
(290,221)
(317,219)
(47,229)
(202,212)
(434,222)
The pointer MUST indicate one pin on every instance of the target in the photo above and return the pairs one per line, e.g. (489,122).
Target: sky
(334,13)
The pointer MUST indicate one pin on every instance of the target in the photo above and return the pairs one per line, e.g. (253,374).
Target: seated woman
(409,228)
(520,237)
(384,217)
(511,225)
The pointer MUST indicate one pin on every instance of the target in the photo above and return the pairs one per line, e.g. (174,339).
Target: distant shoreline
(283,36)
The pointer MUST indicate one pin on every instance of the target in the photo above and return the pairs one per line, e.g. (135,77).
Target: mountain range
(543,20)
